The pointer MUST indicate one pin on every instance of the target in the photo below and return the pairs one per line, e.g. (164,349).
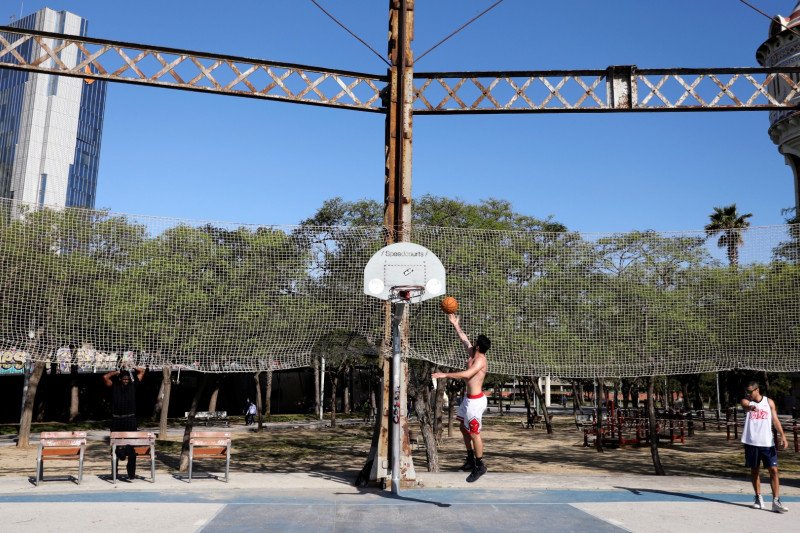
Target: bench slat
(217,451)
(66,453)
(131,442)
(62,434)
(49,443)
(132,434)
(210,442)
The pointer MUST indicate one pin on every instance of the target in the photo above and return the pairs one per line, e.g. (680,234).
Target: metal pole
(322,387)
(719,412)
(396,319)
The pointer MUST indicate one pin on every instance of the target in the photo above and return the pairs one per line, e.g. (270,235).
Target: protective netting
(92,289)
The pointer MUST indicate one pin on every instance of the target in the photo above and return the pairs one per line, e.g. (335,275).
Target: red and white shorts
(471,411)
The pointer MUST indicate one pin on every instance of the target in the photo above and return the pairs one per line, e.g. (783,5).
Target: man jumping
(472,407)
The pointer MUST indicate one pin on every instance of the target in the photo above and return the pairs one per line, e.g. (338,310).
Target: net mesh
(93,289)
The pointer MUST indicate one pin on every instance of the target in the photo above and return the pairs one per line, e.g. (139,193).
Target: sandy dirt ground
(510,447)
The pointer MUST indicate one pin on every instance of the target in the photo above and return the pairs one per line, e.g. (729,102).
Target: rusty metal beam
(623,88)
(41,52)
(618,88)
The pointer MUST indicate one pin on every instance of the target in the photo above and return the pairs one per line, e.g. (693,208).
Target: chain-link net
(94,289)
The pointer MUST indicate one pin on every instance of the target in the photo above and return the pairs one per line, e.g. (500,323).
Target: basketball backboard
(404,265)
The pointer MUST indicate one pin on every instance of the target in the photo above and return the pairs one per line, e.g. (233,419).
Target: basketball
(449,305)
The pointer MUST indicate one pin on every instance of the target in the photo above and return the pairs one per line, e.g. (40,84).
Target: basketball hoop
(406,293)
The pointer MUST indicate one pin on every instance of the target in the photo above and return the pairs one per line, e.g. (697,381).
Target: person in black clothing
(123,409)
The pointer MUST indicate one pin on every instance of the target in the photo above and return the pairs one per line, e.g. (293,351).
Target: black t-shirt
(123,404)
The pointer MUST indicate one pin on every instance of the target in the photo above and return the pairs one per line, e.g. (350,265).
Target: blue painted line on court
(407,497)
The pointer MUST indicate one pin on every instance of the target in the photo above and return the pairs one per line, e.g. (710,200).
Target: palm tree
(727,221)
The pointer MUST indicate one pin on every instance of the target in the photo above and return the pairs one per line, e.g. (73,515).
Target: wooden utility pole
(398,100)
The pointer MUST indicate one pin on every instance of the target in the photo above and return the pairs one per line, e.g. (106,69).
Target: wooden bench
(210,445)
(144,445)
(60,445)
(210,418)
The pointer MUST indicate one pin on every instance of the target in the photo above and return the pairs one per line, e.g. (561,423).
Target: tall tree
(727,222)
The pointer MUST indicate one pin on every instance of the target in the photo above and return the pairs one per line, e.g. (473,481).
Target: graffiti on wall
(86,360)
(12,362)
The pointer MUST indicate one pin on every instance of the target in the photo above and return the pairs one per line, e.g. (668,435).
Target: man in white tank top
(759,446)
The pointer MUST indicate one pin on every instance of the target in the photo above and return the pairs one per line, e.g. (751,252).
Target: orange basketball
(449,305)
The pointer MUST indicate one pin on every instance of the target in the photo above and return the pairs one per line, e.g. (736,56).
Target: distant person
(470,412)
(123,409)
(759,444)
(250,413)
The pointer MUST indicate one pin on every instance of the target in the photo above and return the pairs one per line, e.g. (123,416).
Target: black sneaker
(469,465)
(477,472)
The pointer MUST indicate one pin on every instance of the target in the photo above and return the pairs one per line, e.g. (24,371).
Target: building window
(42,188)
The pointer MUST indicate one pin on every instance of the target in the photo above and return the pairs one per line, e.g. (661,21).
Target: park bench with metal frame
(210,445)
(60,445)
(144,445)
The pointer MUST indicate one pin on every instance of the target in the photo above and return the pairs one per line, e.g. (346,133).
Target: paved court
(444,502)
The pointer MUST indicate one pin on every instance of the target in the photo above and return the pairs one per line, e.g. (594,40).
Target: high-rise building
(50,126)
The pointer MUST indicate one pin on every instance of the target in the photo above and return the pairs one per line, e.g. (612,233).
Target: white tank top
(758,425)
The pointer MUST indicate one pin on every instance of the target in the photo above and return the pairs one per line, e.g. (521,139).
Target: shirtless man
(472,407)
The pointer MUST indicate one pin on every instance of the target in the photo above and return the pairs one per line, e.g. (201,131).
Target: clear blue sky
(211,157)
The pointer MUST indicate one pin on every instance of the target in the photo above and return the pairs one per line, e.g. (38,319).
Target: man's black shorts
(766,455)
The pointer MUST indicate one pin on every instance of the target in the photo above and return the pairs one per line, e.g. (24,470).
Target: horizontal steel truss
(182,69)
(618,88)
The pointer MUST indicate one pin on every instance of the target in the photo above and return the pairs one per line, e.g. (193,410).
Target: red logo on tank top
(757,415)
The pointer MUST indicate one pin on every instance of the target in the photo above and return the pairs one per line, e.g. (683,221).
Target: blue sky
(210,157)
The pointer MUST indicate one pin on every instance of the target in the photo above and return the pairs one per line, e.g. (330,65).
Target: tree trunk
(526,392)
(651,419)
(166,389)
(577,394)
(598,423)
(346,392)
(334,384)
(159,401)
(259,407)
(635,393)
(451,408)
(545,412)
(499,391)
(685,393)
(362,479)
(74,394)
(268,396)
(187,432)
(426,417)
(212,402)
(438,410)
(697,402)
(27,407)
(316,386)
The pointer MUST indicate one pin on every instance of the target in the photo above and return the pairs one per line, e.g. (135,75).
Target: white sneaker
(758,503)
(778,507)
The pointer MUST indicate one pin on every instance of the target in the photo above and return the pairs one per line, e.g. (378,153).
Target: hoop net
(406,293)
(92,288)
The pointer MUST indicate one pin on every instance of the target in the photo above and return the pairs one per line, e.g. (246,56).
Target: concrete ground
(441,502)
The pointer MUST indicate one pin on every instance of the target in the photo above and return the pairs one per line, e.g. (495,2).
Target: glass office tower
(50,126)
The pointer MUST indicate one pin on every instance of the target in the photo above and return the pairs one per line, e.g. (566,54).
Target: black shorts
(766,455)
